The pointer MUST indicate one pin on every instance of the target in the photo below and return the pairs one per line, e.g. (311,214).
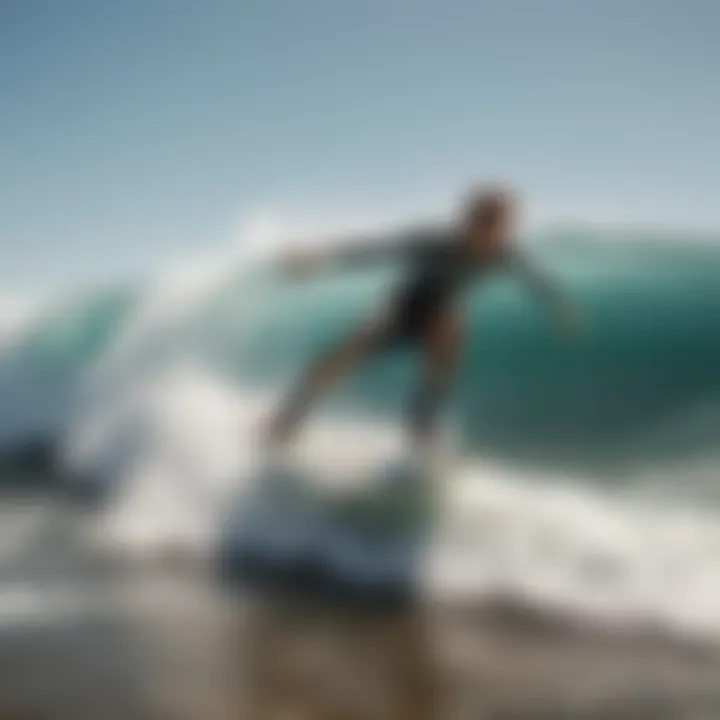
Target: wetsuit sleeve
(411,248)
(539,284)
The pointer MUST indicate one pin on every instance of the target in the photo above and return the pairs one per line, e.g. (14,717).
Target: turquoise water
(70,334)
(642,383)
(595,452)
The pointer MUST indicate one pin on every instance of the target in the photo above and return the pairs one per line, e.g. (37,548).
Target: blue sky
(135,130)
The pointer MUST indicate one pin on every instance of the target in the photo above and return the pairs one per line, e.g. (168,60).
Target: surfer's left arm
(363,252)
(564,313)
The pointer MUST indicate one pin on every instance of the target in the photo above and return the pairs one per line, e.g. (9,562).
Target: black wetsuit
(439,270)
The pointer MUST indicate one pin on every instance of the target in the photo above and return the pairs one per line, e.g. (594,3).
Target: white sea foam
(178,443)
(556,541)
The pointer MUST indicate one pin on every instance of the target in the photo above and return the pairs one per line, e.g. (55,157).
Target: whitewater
(584,475)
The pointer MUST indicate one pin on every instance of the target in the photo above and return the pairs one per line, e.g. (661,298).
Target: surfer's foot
(273,444)
(275,437)
(286,421)
(278,433)
(424,446)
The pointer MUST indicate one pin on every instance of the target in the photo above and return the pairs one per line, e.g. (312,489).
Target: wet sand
(159,654)
(79,641)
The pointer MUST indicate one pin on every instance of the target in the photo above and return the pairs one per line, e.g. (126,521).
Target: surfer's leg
(441,348)
(326,371)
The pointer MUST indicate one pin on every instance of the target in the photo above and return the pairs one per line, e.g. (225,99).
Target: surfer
(423,311)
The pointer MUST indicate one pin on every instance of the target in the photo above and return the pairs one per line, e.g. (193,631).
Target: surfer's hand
(570,322)
(300,263)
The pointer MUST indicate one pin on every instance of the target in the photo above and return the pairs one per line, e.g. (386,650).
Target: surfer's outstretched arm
(359,253)
(547,292)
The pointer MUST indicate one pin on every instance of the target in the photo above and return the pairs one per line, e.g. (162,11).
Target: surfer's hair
(488,201)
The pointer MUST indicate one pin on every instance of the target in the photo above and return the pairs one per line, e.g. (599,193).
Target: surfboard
(366,538)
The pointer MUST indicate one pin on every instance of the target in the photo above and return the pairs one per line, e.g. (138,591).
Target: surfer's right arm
(310,261)
(564,312)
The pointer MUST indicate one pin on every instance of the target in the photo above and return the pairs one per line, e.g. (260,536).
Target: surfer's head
(488,217)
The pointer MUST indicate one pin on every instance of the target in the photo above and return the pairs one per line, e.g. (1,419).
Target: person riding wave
(423,312)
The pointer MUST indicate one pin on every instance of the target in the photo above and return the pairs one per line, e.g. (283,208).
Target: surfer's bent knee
(444,339)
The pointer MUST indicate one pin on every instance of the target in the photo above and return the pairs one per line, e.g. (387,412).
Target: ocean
(583,476)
